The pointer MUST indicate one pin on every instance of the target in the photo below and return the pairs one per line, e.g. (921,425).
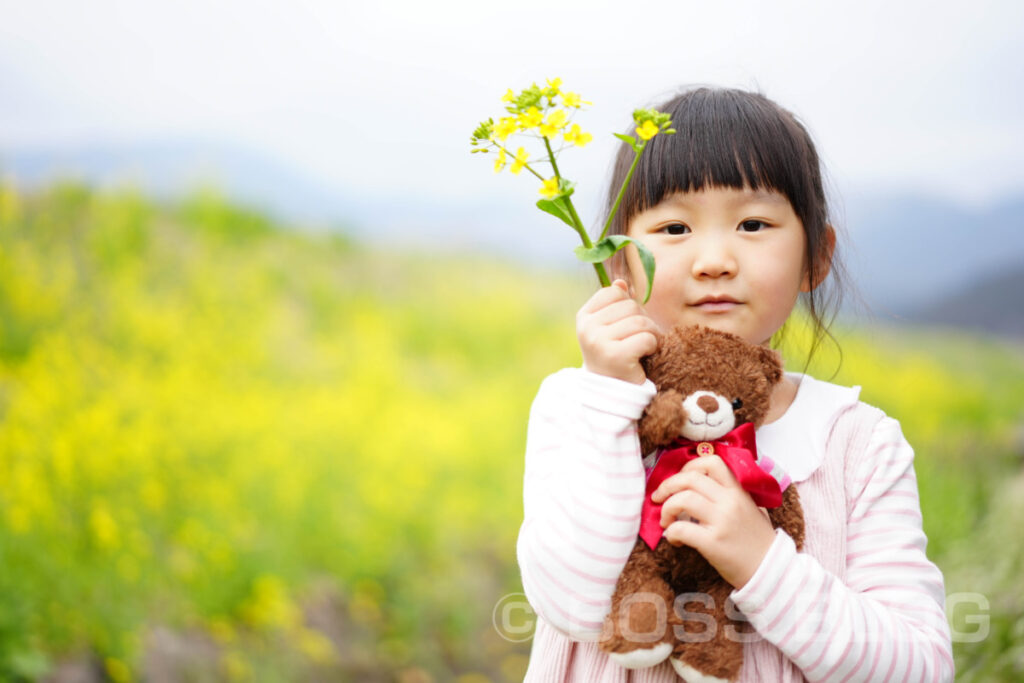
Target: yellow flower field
(290,457)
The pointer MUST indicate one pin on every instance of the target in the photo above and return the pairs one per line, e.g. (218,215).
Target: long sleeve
(582,492)
(885,621)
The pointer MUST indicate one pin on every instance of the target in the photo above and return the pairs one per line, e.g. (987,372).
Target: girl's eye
(752,225)
(676,229)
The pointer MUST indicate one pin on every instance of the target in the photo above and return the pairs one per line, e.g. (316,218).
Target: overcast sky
(381,96)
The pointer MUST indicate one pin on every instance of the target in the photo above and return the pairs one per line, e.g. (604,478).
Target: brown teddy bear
(713,390)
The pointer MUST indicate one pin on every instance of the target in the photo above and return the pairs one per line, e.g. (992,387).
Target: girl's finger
(714,467)
(631,337)
(688,479)
(627,327)
(639,345)
(633,347)
(598,322)
(616,310)
(684,505)
(604,297)
(683,532)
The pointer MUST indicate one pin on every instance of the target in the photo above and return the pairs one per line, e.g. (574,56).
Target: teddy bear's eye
(737,404)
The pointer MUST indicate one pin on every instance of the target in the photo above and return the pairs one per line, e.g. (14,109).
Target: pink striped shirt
(860,602)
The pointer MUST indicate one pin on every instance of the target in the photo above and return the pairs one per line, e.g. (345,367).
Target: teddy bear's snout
(705,406)
(708,416)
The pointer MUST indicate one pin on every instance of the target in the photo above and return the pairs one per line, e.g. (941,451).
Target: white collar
(796,441)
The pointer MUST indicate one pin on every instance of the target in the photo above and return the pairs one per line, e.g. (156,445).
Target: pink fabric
(860,602)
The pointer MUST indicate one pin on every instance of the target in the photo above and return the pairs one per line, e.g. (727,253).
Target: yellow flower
(506,126)
(222,630)
(104,526)
(555,84)
(270,605)
(647,130)
(572,99)
(508,96)
(577,137)
(19,519)
(235,666)
(499,163)
(519,161)
(530,118)
(117,669)
(315,645)
(550,187)
(556,122)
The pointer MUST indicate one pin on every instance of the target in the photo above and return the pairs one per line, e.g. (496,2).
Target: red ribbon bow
(737,449)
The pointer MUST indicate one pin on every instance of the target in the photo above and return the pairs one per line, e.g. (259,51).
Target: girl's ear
(822,262)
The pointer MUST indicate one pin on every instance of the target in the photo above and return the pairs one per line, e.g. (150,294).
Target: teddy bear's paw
(641,659)
(691,675)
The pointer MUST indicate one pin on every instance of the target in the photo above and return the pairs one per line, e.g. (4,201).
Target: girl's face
(733,260)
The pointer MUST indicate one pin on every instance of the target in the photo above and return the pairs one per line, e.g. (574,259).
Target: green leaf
(602,251)
(628,139)
(606,248)
(647,259)
(557,208)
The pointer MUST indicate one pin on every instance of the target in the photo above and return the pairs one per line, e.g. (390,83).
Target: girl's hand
(727,528)
(615,333)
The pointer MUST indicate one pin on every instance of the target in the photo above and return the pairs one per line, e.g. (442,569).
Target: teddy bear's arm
(790,516)
(662,420)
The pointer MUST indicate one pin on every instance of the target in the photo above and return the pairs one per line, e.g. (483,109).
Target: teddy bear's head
(708,383)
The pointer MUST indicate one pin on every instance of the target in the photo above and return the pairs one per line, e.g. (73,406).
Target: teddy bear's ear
(771,363)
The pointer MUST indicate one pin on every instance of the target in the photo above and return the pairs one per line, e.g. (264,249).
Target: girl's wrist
(754,559)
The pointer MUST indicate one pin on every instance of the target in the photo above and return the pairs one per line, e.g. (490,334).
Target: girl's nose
(714,259)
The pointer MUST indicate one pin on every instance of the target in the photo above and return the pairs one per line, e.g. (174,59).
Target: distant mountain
(993,304)
(909,251)
(170,168)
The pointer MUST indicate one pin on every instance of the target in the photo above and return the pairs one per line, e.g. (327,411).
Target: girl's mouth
(715,304)
(717,307)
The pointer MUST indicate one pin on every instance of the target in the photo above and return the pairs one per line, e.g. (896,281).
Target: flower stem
(622,191)
(602,274)
(551,156)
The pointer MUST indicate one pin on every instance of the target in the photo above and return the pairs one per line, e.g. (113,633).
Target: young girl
(733,208)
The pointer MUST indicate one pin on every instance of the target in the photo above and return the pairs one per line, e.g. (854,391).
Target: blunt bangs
(725,138)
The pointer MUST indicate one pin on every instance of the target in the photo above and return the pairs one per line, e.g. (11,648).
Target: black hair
(738,139)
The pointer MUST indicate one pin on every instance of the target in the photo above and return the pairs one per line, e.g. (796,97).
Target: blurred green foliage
(296,457)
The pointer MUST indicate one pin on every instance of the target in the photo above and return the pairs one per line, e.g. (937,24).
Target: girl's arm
(886,620)
(582,492)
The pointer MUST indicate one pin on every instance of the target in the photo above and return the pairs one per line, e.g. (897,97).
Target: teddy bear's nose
(708,404)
